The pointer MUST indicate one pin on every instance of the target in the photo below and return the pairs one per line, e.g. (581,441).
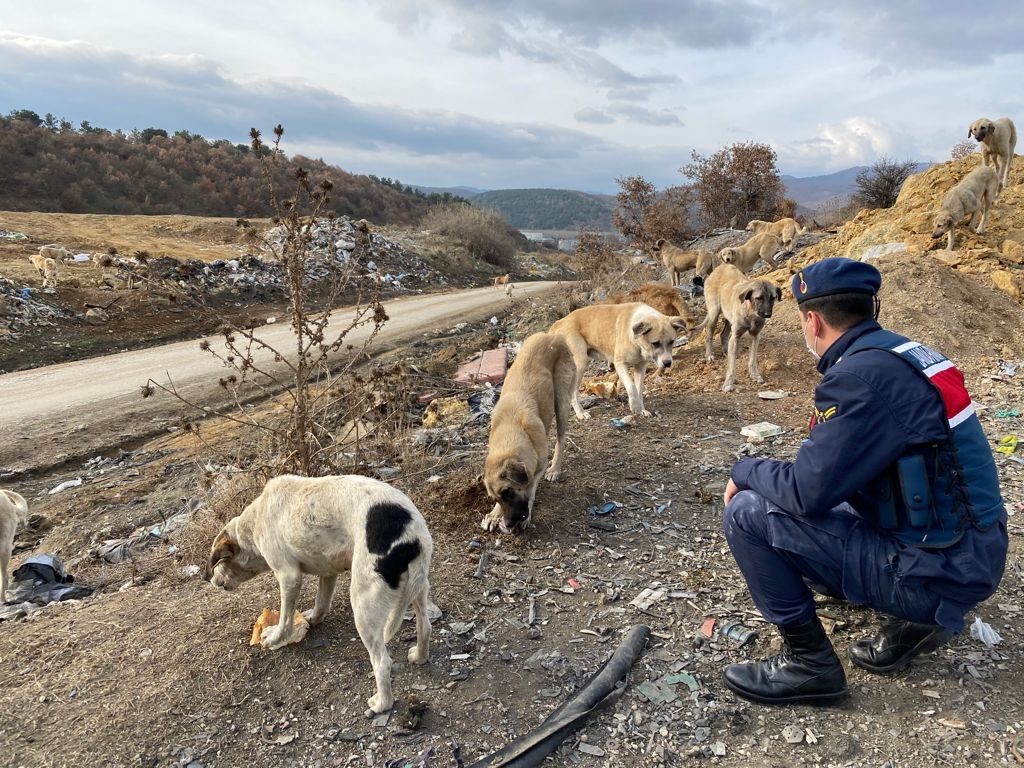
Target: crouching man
(893,500)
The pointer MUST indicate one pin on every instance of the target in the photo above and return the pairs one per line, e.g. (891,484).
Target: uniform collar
(835,352)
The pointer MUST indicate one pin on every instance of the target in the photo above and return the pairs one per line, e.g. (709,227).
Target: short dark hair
(841,310)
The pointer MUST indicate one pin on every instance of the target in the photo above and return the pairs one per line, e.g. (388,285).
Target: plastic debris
(877,251)
(446,411)
(42,580)
(793,734)
(772,394)
(621,424)
(65,485)
(761,430)
(1008,413)
(1007,445)
(985,633)
(1007,368)
(647,598)
(605,509)
(737,632)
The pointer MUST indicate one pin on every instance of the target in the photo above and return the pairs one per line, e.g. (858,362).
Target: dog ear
(639,329)
(745,296)
(223,549)
(679,323)
(970,131)
(778,293)
(660,242)
(516,473)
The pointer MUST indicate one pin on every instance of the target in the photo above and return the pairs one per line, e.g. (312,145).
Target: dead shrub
(484,233)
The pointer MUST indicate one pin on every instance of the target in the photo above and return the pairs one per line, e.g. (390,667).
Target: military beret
(835,275)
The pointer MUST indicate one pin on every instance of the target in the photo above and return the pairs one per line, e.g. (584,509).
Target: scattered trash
(1008,413)
(647,598)
(1007,445)
(707,628)
(878,251)
(1007,368)
(657,692)
(65,485)
(590,749)
(603,388)
(7,234)
(773,394)
(605,509)
(685,678)
(793,734)
(985,633)
(462,627)
(42,580)
(737,632)
(493,320)
(269,618)
(761,430)
(488,367)
(446,411)
(718,749)
(130,547)
(621,424)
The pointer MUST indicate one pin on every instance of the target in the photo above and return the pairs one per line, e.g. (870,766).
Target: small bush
(962,149)
(484,233)
(879,185)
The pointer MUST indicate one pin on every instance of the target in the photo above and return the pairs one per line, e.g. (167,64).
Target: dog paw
(709,358)
(645,413)
(728,387)
(375,706)
(582,415)
(492,521)
(312,617)
(272,640)
(552,474)
(759,379)
(414,656)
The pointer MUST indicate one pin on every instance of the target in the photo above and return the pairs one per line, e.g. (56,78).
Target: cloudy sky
(556,93)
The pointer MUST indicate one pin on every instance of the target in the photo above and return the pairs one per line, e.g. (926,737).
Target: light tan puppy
(745,305)
(630,336)
(55,252)
(787,230)
(975,192)
(502,279)
(537,391)
(666,300)
(744,257)
(39,262)
(998,141)
(324,526)
(49,273)
(676,260)
(13,510)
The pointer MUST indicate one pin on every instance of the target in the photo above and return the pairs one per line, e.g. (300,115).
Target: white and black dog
(323,526)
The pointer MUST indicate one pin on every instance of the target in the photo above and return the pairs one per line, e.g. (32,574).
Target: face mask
(812,349)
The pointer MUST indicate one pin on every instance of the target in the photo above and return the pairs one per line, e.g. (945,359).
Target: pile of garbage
(21,308)
(6,234)
(381,259)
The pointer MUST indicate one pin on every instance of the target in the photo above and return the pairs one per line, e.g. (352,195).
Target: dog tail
(19,503)
(416,583)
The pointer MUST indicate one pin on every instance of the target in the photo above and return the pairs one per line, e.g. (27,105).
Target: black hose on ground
(605,687)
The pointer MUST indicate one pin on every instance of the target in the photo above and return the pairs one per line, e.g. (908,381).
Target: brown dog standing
(666,300)
(746,305)
(536,392)
(629,336)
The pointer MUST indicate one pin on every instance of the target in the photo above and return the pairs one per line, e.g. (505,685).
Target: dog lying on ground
(628,335)
(998,140)
(55,252)
(13,510)
(744,257)
(787,230)
(676,260)
(975,192)
(666,300)
(745,305)
(502,279)
(537,391)
(324,526)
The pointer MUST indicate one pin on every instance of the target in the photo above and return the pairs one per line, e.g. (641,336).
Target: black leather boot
(896,643)
(807,671)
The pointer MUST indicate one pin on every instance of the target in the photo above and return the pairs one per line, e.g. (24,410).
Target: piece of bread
(270,617)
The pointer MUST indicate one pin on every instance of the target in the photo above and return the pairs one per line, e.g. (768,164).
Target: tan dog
(502,279)
(537,391)
(975,192)
(628,335)
(787,230)
(744,257)
(39,262)
(998,140)
(676,260)
(13,510)
(745,305)
(324,526)
(55,252)
(666,300)
(706,263)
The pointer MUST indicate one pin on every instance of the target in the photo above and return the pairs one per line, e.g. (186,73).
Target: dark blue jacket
(870,410)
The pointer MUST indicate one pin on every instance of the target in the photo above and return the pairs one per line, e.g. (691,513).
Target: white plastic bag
(984,632)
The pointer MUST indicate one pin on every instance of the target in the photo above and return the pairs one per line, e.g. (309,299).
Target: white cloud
(852,141)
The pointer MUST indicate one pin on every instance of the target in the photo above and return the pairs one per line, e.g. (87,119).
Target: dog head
(727,255)
(755,225)
(655,334)
(943,223)
(760,296)
(228,566)
(980,129)
(508,483)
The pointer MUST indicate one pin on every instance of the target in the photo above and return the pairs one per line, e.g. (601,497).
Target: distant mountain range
(569,209)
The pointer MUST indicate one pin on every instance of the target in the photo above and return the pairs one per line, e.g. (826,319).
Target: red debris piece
(489,368)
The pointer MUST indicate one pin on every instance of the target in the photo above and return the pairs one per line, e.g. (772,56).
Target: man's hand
(730,490)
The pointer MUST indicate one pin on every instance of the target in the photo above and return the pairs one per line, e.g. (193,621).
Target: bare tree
(963,149)
(740,180)
(879,185)
(643,215)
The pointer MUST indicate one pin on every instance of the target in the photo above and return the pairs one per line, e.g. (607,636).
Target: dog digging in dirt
(787,230)
(745,306)
(629,336)
(324,526)
(975,193)
(13,510)
(676,260)
(998,140)
(537,391)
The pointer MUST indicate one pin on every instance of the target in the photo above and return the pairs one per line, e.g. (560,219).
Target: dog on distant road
(975,193)
(676,260)
(787,230)
(745,305)
(324,526)
(630,336)
(998,140)
(537,391)
(13,510)
(502,279)
(666,300)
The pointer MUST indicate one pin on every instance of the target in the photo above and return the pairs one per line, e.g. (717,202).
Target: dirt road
(62,412)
